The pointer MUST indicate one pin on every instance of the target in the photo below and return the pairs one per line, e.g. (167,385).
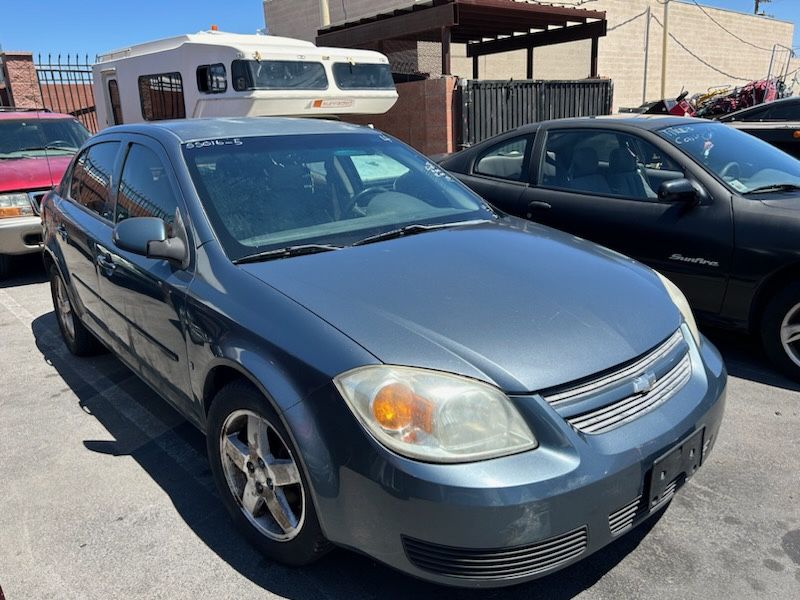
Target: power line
(728,31)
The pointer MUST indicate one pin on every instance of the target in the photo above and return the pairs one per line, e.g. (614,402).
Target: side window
(91,178)
(605,163)
(116,105)
(505,160)
(782,112)
(144,189)
(161,96)
(212,79)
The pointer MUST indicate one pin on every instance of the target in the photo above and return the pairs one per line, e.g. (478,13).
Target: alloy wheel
(262,475)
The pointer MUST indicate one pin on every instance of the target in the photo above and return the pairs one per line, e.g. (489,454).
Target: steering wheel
(355,204)
(731,171)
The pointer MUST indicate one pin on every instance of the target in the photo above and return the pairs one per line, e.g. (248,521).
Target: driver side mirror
(678,190)
(147,236)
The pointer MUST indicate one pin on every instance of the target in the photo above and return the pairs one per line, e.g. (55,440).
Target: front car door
(601,183)
(146,297)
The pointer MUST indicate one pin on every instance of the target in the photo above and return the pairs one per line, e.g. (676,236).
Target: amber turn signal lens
(796,135)
(10,211)
(393,406)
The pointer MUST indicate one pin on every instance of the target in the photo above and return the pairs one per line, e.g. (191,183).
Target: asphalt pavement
(105,492)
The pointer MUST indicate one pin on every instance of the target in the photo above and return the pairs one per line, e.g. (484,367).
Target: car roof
(31,114)
(648,122)
(189,130)
(744,111)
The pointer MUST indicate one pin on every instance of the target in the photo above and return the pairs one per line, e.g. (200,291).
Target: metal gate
(66,87)
(492,107)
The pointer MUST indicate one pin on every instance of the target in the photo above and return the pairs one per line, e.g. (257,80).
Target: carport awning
(485,26)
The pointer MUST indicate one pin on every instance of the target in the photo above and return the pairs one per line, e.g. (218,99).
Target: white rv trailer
(216,74)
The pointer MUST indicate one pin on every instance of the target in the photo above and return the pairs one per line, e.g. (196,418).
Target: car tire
(79,340)
(780,330)
(252,475)
(5,266)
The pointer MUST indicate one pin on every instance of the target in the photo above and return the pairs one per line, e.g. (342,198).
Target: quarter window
(212,79)
(116,105)
(161,96)
(505,160)
(144,189)
(605,163)
(91,177)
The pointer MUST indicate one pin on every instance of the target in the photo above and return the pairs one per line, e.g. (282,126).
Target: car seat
(585,172)
(624,176)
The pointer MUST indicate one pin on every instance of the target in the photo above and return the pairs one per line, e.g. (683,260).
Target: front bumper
(20,235)
(502,521)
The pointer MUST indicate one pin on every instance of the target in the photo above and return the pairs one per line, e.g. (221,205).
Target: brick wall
(20,77)
(712,58)
(423,116)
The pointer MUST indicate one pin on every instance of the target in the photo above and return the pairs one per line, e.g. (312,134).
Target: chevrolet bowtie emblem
(644,383)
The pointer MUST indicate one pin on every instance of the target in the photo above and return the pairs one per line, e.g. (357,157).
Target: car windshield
(745,163)
(34,137)
(330,190)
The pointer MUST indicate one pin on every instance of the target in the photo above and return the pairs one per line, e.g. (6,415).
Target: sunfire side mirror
(147,236)
(678,190)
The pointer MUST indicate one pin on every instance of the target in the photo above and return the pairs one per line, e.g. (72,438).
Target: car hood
(514,303)
(22,174)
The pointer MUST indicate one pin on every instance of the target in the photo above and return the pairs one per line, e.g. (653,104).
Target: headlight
(434,416)
(683,305)
(15,205)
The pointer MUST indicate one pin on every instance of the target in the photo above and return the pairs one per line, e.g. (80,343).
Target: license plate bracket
(683,459)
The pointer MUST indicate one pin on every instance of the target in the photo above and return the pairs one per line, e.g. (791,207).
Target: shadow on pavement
(25,270)
(173,454)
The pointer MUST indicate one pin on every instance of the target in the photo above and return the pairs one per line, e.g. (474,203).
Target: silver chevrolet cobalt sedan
(380,360)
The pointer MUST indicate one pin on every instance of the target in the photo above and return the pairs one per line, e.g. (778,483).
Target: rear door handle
(538,205)
(62,231)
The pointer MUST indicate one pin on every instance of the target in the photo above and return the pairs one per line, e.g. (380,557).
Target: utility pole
(324,13)
(646,53)
(664,48)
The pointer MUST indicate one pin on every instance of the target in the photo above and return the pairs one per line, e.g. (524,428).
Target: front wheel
(259,477)
(780,330)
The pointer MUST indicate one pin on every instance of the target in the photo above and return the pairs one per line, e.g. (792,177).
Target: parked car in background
(379,359)
(35,148)
(715,210)
(777,123)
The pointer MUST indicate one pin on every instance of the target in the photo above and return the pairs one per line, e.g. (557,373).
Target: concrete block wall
(20,77)
(423,116)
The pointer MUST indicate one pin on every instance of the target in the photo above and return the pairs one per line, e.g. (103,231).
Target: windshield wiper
(286,253)
(412,230)
(775,187)
(48,147)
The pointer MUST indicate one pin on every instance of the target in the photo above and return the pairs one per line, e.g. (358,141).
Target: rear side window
(144,189)
(505,160)
(161,96)
(212,79)
(361,76)
(278,75)
(91,177)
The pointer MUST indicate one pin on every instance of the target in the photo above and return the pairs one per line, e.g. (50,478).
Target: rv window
(161,96)
(116,105)
(278,75)
(212,79)
(363,76)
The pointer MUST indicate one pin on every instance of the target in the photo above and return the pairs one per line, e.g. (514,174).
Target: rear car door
(146,297)
(602,185)
(82,221)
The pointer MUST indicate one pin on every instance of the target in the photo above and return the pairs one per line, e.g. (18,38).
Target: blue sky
(92,26)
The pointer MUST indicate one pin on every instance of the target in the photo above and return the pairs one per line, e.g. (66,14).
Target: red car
(35,149)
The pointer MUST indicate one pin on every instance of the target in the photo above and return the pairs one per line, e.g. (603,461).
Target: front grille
(622,519)
(36,200)
(504,563)
(665,370)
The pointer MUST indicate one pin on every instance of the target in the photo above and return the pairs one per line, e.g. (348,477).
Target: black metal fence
(492,107)
(66,87)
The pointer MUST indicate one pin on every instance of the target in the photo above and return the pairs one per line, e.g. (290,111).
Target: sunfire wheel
(780,330)
(259,476)
(78,339)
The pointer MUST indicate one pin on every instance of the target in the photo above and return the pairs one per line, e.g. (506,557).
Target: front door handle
(106,263)
(538,205)
(61,229)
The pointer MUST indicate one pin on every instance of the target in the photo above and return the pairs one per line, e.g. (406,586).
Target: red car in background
(35,149)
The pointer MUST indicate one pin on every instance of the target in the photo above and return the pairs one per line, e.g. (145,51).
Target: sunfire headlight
(15,205)
(434,416)
(683,305)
